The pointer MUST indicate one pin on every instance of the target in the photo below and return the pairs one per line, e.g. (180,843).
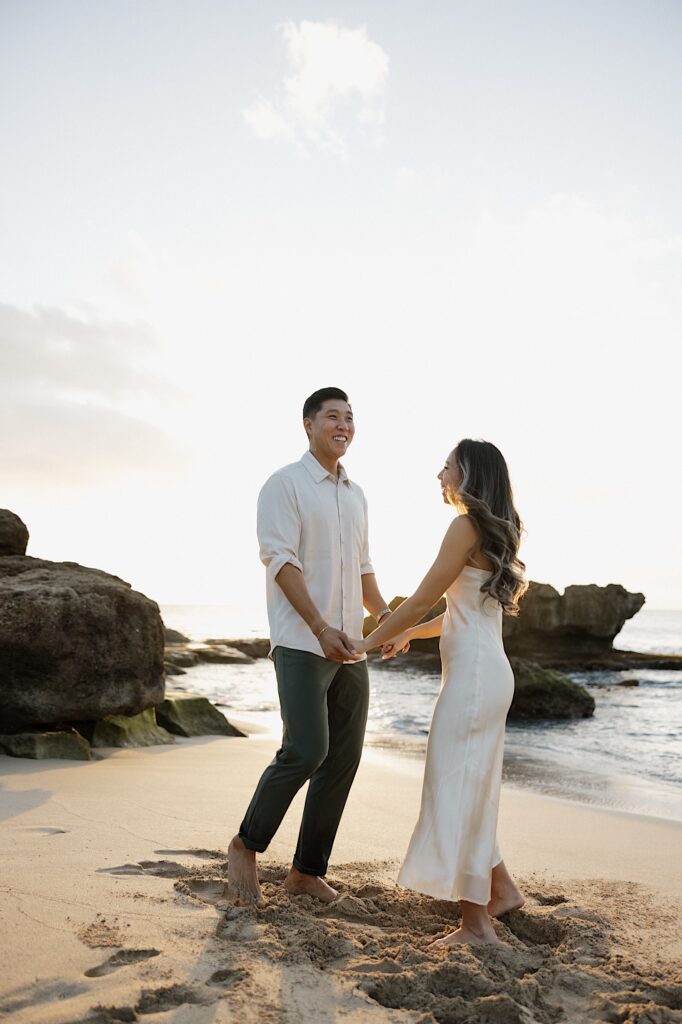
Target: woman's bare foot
(505,894)
(242,874)
(484,937)
(298,884)
(502,903)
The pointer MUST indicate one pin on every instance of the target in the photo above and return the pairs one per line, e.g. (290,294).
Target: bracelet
(318,635)
(383,614)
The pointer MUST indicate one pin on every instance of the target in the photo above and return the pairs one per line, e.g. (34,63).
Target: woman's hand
(359,646)
(398,645)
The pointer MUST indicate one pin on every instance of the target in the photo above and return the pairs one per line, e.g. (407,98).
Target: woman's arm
(425,630)
(459,542)
(401,643)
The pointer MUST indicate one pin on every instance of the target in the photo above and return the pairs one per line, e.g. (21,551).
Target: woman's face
(450,478)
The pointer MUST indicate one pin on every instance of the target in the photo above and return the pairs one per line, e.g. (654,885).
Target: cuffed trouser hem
(308,871)
(250,845)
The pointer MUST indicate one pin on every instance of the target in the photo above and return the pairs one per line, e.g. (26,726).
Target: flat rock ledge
(68,745)
(179,646)
(179,714)
(187,714)
(219,654)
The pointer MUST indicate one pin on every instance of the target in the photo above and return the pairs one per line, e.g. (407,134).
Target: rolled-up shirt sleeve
(365,561)
(278,524)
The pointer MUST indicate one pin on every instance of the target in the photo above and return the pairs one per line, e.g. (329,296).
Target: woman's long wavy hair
(485,494)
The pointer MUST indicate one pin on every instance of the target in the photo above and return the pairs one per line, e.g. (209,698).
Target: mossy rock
(187,714)
(544,693)
(130,731)
(69,746)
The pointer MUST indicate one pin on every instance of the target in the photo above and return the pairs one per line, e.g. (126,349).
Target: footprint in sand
(201,853)
(350,906)
(160,1000)
(46,830)
(227,977)
(159,868)
(208,890)
(121,959)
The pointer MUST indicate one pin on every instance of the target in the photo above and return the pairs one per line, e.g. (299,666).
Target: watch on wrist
(382,614)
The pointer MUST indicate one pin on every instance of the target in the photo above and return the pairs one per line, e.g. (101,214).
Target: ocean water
(627,757)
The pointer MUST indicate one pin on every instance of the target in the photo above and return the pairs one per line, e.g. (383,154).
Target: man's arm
(334,643)
(371,597)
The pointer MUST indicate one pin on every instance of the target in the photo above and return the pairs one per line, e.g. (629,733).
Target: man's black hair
(312,405)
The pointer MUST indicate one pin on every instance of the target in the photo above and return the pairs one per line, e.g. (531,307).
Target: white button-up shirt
(317,522)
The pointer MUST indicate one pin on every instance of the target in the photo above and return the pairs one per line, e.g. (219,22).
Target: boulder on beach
(544,693)
(67,745)
(130,731)
(188,714)
(76,644)
(13,534)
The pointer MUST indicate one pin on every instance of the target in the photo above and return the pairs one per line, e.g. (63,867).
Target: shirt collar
(318,472)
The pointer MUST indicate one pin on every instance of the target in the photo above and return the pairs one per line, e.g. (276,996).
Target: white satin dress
(454,844)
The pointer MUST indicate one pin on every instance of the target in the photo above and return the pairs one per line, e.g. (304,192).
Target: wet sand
(114,905)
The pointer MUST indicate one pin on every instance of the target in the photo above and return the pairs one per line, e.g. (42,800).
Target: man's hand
(336,646)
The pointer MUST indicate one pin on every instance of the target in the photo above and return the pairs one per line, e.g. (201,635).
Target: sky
(468,216)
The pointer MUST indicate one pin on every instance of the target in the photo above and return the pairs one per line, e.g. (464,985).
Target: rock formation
(79,647)
(583,621)
(76,644)
(13,534)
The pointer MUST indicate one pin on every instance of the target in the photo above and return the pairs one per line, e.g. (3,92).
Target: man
(312,531)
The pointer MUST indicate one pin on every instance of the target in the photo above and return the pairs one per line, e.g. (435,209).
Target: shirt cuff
(278,562)
(366,569)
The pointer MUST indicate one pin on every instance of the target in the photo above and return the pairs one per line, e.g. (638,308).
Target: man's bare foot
(242,874)
(504,901)
(298,884)
(485,937)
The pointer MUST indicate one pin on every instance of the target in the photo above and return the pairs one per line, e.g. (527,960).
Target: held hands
(398,645)
(336,646)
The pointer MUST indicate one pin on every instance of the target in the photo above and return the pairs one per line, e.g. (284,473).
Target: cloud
(336,84)
(78,397)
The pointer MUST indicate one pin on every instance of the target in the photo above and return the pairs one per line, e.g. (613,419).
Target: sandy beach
(114,909)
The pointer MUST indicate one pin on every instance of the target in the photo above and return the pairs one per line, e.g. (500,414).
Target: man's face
(331,430)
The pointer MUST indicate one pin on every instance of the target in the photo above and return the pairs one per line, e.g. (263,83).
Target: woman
(453,853)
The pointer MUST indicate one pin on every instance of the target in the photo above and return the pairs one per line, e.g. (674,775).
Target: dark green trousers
(324,713)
